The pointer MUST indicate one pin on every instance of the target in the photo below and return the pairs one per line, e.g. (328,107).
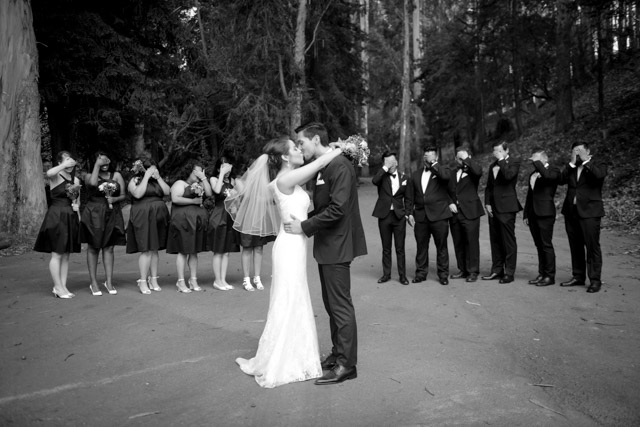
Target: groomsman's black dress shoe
(337,375)
(572,282)
(418,279)
(594,287)
(546,281)
(459,275)
(506,279)
(403,280)
(384,278)
(472,278)
(492,276)
(329,362)
(536,280)
(444,281)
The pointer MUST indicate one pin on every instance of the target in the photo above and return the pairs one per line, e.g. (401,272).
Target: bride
(288,348)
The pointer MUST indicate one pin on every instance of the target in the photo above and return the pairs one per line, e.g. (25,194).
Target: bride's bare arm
(299,176)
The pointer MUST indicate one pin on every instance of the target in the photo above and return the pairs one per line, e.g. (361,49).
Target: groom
(339,238)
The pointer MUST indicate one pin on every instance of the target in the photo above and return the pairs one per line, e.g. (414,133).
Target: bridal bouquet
(108,188)
(356,149)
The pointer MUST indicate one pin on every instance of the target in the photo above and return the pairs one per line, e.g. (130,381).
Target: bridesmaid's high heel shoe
(65,296)
(95,293)
(219,287)
(182,288)
(151,285)
(112,290)
(144,288)
(258,283)
(193,284)
(247,284)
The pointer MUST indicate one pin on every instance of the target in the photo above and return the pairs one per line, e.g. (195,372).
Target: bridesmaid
(58,234)
(252,257)
(221,237)
(187,231)
(102,224)
(149,221)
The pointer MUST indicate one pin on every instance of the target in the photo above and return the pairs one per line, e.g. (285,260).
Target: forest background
(183,79)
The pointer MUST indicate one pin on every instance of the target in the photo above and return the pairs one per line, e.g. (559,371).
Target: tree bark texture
(564,96)
(299,81)
(21,176)
(405,161)
(364,56)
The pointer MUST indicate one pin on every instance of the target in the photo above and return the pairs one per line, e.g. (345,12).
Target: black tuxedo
(392,223)
(501,195)
(339,238)
(465,224)
(431,212)
(540,213)
(583,210)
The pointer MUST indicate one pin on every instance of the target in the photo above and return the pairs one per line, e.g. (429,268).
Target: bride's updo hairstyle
(275,149)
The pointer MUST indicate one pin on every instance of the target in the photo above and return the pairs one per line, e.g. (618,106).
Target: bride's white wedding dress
(288,348)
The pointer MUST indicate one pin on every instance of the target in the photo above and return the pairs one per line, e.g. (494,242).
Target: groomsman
(501,202)
(389,210)
(467,210)
(583,210)
(427,202)
(540,215)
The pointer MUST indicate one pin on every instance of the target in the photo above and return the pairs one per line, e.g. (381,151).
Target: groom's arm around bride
(338,238)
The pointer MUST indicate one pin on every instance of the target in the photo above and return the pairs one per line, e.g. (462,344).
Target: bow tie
(392,175)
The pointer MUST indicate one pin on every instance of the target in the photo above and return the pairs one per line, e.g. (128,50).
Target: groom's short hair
(311,129)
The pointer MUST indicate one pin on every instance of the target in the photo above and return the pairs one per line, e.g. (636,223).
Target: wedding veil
(253,208)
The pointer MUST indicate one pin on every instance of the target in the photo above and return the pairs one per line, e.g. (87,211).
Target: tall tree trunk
(564,96)
(478,136)
(418,119)
(299,82)
(364,57)
(515,70)
(599,64)
(404,153)
(21,177)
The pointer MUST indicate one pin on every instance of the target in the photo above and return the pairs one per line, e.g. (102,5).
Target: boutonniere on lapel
(403,179)
(319,180)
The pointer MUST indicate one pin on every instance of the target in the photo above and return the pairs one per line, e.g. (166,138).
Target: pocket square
(463,175)
(320,181)
(404,182)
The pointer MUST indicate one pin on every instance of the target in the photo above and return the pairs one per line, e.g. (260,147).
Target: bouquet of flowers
(356,149)
(137,168)
(72,190)
(108,188)
(229,192)
(197,189)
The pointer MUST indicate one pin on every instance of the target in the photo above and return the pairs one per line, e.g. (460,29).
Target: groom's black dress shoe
(459,275)
(506,279)
(329,362)
(546,281)
(418,279)
(492,276)
(536,280)
(403,280)
(384,278)
(572,282)
(337,375)
(444,281)
(594,287)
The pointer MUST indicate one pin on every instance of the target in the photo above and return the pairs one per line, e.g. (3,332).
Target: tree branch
(315,30)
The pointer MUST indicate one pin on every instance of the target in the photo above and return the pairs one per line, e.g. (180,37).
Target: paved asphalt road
(430,355)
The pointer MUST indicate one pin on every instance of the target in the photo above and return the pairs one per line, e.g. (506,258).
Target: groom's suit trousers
(336,295)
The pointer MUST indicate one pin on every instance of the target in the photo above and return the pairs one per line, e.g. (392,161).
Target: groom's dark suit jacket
(335,221)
